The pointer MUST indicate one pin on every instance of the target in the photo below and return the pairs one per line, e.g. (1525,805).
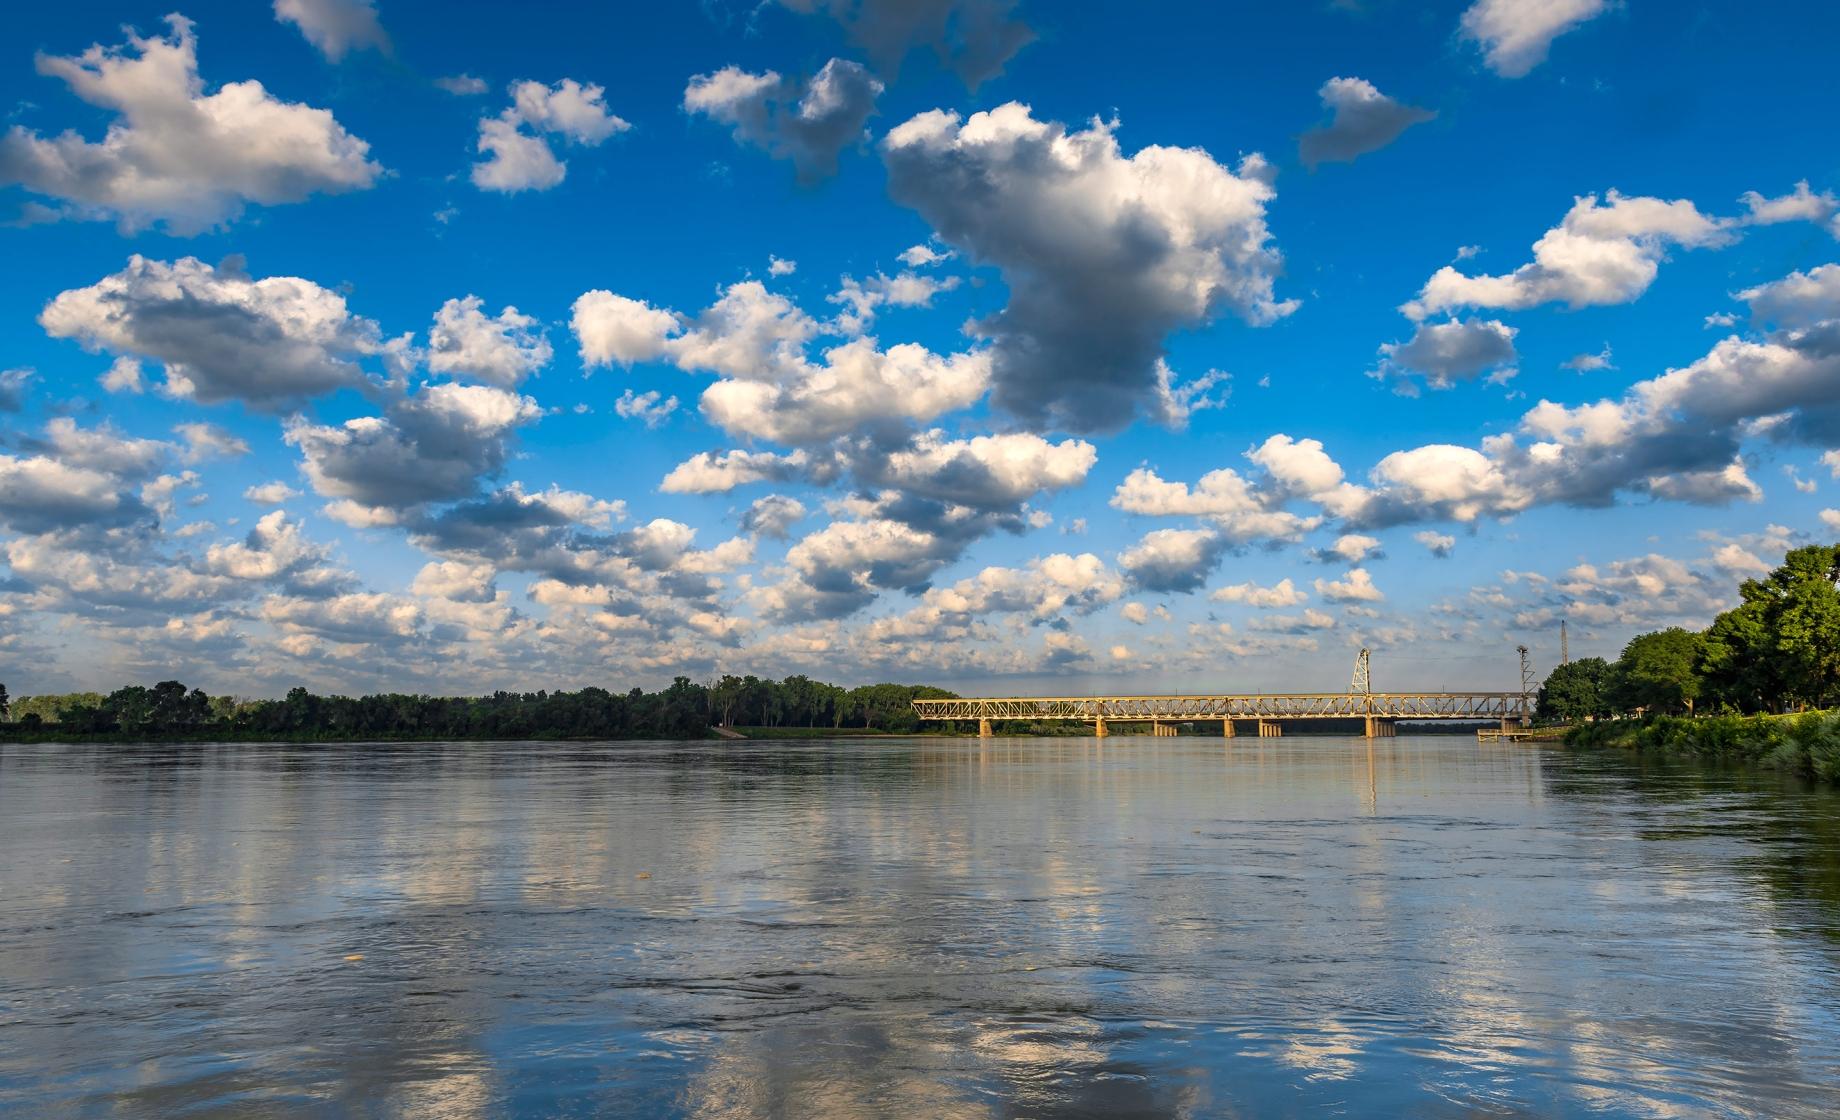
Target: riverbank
(1807,744)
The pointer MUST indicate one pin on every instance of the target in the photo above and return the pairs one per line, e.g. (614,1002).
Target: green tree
(1806,623)
(1659,672)
(5,705)
(1576,690)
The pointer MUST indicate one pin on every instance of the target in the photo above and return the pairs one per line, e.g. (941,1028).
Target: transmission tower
(1526,670)
(1361,683)
(1565,647)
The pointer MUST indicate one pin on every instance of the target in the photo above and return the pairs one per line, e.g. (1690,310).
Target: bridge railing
(1279,705)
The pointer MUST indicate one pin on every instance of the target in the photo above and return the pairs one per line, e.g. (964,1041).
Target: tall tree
(1659,672)
(1576,690)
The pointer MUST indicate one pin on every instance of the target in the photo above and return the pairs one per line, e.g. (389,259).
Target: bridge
(1265,713)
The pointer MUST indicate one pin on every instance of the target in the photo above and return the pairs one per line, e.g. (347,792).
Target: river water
(913,928)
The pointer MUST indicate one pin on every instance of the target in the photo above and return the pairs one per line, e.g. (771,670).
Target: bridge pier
(1379,727)
(1270,729)
(983,729)
(1226,728)
(1167,730)
(1099,728)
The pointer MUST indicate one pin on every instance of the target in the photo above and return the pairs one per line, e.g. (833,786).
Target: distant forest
(686,710)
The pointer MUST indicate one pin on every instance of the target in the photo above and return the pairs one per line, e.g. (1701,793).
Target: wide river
(920,928)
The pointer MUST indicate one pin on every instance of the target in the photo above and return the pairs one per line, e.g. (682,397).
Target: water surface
(913,928)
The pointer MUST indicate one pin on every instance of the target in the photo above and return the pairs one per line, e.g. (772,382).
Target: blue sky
(1092,325)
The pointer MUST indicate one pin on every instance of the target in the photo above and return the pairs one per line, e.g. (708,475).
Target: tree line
(685,710)
(1778,650)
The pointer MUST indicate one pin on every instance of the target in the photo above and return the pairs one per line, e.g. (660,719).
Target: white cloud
(518,158)
(1363,120)
(462,85)
(647,408)
(502,350)
(1104,255)
(1356,587)
(208,441)
(986,471)
(1800,205)
(1587,363)
(123,376)
(1798,300)
(175,154)
(1447,352)
(1352,548)
(1173,559)
(220,334)
(1831,460)
(1438,544)
(922,256)
(457,581)
(13,389)
(773,516)
(708,472)
(271,493)
(1602,253)
(1831,519)
(779,266)
(335,26)
(770,389)
(1284,593)
(1516,34)
(808,123)
(432,446)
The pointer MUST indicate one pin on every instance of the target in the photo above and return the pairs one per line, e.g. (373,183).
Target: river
(914,928)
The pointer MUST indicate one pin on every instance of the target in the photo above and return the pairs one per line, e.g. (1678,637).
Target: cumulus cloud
(709,472)
(123,376)
(1362,120)
(1352,548)
(1284,593)
(456,580)
(518,158)
(773,516)
(432,446)
(1831,460)
(1799,300)
(650,408)
(1605,252)
(1175,560)
(335,26)
(1799,205)
(1447,352)
(1438,544)
(208,441)
(501,350)
(1104,255)
(271,493)
(277,550)
(1588,363)
(77,477)
(1355,587)
(769,387)
(1250,509)
(219,334)
(985,472)
(973,38)
(1831,519)
(176,155)
(808,123)
(1516,34)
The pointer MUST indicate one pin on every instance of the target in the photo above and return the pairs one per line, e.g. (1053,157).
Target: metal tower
(1565,647)
(1526,670)
(1361,683)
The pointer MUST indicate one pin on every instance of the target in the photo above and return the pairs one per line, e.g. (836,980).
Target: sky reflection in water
(1048,928)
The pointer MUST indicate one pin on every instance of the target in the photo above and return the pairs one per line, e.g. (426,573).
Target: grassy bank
(1807,744)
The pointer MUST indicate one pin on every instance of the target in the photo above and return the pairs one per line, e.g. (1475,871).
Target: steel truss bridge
(1264,713)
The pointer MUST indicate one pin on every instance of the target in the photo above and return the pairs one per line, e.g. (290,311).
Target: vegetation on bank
(1777,651)
(1807,744)
(685,710)
(1752,688)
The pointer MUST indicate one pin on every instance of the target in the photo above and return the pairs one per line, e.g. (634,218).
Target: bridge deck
(1257,705)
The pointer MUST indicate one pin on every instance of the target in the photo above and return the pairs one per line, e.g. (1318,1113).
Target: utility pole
(1565,647)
